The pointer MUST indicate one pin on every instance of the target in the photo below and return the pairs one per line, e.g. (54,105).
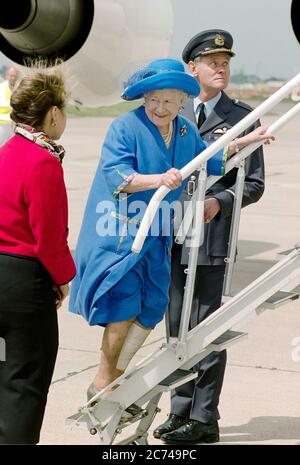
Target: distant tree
(273,78)
(242,78)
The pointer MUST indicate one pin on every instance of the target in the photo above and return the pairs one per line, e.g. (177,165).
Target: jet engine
(101,40)
(295,18)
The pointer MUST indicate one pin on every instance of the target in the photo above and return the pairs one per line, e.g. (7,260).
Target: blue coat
(132,145)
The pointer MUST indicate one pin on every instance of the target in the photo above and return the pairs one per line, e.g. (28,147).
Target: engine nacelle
(295,18)
(99,39)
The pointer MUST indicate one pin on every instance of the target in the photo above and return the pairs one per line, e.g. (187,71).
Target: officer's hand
(171,179)
(211,209)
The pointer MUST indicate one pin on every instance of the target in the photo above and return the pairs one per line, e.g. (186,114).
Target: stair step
(177,378)
(280,298)
(226,339)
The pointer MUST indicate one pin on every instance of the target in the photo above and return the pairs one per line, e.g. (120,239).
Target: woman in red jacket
(35,262)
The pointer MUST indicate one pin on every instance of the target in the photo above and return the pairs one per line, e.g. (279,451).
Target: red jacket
(34,207)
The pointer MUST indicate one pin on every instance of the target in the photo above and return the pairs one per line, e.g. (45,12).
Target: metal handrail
(208,153)
(233,163)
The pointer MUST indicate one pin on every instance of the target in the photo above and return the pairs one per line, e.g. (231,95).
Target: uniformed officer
(194,406)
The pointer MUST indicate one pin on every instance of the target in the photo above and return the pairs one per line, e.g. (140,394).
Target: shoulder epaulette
(244,105)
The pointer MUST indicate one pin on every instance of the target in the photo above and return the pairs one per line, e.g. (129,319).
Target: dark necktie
(201,117)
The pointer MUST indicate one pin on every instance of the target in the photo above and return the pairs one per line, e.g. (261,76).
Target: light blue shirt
(208,106)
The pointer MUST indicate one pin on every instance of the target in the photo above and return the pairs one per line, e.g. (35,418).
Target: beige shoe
(129,413)
(92,390)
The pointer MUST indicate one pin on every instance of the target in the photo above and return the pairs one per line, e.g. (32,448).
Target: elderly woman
(35,261)
(143,150)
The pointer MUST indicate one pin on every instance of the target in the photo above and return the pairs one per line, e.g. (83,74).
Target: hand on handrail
(257,135)
(172,179)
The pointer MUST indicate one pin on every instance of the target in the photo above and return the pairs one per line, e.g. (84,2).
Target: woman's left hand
(257,135)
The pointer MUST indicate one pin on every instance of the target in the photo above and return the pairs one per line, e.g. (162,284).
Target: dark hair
(36,94)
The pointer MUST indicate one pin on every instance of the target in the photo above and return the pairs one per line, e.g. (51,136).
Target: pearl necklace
(168,137)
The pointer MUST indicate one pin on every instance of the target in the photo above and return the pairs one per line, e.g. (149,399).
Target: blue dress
(113,284)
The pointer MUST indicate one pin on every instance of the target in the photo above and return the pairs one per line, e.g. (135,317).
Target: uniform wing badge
(218,132)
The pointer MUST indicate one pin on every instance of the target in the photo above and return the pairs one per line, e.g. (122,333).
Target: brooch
(183,131)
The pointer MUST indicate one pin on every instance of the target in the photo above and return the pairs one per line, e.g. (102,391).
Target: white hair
(181,94)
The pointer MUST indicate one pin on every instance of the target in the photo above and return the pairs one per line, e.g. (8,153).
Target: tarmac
(260,398)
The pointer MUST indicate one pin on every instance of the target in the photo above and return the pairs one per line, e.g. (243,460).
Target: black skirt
(29,343)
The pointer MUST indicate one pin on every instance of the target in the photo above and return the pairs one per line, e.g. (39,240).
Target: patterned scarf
(40,138)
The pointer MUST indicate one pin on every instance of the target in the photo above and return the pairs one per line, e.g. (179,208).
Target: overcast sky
(264,40)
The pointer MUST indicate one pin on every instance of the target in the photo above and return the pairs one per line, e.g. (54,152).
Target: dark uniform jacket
(225,114)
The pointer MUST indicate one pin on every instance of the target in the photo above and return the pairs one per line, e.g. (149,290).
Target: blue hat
(165,73)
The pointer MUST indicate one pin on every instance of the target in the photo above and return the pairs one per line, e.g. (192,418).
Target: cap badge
(219,40)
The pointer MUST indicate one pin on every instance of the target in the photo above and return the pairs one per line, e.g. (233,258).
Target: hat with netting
(165,73)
